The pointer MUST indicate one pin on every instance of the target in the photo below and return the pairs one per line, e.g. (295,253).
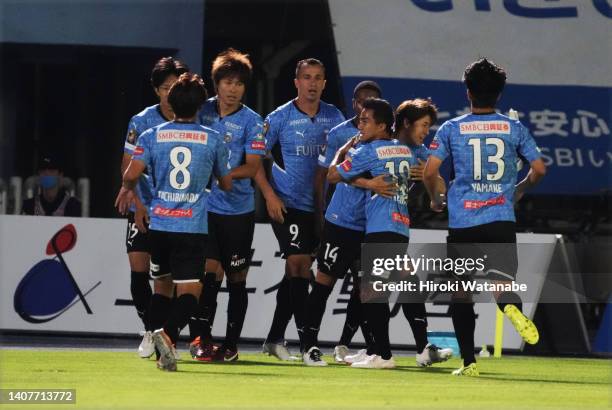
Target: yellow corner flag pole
(499,333)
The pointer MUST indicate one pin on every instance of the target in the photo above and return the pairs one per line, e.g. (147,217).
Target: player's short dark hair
(414,110)
(381,111)
(166,67)
(187,95)
(308,61)
(367,85)
(485,81)
(231,63)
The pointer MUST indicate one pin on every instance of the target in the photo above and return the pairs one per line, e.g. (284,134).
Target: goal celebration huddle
(189,169)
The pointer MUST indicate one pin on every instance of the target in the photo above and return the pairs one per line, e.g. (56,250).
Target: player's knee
(190,288)
(325,279)
(299,266)
(237,277)
(213,265)
(139,261)
(163,286)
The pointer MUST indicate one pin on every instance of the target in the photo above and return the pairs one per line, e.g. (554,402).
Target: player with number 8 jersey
(182,156)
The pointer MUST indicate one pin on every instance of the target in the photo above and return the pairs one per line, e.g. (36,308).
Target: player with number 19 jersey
(380,157)
(483,148)
(182,157)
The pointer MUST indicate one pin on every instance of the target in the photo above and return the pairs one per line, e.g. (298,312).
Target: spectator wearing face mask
(52,198)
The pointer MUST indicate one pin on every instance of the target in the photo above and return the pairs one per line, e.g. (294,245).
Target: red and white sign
(173,213)
(477,204)
(403,219)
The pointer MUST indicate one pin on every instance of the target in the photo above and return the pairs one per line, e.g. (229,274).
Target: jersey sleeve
(527,146)
(423,153)
(131,137)
(332,147)
(440,146)
(339,117)
(254,143)
(359,162)
(142,151)
(271,129)
(221,166)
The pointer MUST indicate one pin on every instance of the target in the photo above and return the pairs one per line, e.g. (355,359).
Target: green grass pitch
(105,379)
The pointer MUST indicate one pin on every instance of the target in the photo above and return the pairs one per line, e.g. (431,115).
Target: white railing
(11,197)
(3,197)
(83,195)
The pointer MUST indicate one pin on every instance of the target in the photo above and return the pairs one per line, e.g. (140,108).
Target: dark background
(75,102)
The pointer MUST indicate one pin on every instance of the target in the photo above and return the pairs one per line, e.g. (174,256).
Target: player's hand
(124,199)
(518,194)
(383,186)
(438,203)
(416,171)
(141,218)
(276,208)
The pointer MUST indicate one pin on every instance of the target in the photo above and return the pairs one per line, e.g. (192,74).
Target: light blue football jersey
(347,205)
(182,158)
(147,118)
(336,138)
(484,150)
(242,133)
(382,157)
(296,141)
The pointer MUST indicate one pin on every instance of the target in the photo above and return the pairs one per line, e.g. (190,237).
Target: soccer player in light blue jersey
(295,136)
(164,74)
(413,118)
(182,156)
(345,216)
(231,215)
(387,219)
(484,147)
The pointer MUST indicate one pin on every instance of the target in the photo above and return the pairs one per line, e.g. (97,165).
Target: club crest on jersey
(139,151)
(227,138)
(434,144)
(132,135)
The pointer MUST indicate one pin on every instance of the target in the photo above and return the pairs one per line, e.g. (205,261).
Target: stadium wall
(92,251)
(559,76)
(174,25)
